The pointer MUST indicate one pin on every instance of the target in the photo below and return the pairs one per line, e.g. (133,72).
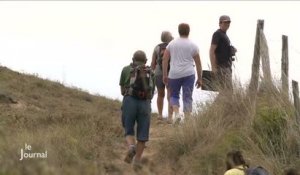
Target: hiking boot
(160,118)
(137,165)
(177,121)
(169,121)
(130,154)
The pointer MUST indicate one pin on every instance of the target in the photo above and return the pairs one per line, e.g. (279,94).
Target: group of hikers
(174,65)
(172,68)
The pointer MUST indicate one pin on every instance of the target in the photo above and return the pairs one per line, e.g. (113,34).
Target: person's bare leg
(139,150)
(175,109)
(170,113)
(176,112)
(187,115)
(160,102)
(131,143)
(137,163)
(130,140)
(170,108)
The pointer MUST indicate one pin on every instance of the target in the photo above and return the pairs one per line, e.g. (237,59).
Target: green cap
(139,57)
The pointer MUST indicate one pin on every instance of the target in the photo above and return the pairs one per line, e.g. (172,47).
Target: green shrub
(270,127)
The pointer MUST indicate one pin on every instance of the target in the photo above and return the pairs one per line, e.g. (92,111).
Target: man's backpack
(141,82)
(161,51)
(258,170)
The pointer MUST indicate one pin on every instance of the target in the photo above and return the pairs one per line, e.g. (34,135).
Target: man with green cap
(136,108)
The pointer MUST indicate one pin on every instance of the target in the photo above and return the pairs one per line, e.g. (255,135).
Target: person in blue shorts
(184,56)
(135,111)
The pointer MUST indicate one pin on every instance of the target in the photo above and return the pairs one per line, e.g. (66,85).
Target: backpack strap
(151,74)
(161,46)
(159,57)
(133,75)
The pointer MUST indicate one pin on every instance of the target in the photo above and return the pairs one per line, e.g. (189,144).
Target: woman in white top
(184,55)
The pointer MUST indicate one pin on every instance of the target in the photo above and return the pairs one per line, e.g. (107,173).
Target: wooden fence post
(265,60)
(296,100)
(285,66)
(255,63)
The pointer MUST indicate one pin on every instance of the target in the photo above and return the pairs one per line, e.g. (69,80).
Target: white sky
(86,44)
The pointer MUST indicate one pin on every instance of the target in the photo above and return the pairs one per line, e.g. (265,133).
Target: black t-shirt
(222,51)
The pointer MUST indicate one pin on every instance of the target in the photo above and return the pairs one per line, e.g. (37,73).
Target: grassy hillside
(82,133)
(79,131)
(266,133)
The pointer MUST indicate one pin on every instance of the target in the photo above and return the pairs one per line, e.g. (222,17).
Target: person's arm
(122,81)
(213,59)
(122,90)
(154,58)
(165,63)
(198,69)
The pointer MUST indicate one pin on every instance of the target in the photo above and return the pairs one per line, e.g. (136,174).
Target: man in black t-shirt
(221,54)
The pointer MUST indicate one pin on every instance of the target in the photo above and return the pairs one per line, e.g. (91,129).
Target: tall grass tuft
(265,131)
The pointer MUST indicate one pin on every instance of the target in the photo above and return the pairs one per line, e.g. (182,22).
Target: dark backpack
(208,81)
(258,170)
(141,82)
(161,51)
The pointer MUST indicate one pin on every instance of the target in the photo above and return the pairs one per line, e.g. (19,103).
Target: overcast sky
(86,44)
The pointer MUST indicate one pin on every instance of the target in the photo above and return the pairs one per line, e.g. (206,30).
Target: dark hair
(184,29)
(291,171)
(235,158)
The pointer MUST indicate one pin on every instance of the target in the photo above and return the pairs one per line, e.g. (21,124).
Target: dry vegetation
(79,131)
(266,132)
(83,135)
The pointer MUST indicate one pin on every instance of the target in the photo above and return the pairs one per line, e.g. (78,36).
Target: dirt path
(157,131)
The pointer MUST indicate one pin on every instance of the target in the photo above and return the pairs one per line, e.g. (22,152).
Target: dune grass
(265,131)
(82,133)
(79,131)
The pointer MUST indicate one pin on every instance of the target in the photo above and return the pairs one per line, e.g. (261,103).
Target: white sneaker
(176,119)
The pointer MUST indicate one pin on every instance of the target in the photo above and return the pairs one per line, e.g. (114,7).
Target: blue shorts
(135,111)
(187,84)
